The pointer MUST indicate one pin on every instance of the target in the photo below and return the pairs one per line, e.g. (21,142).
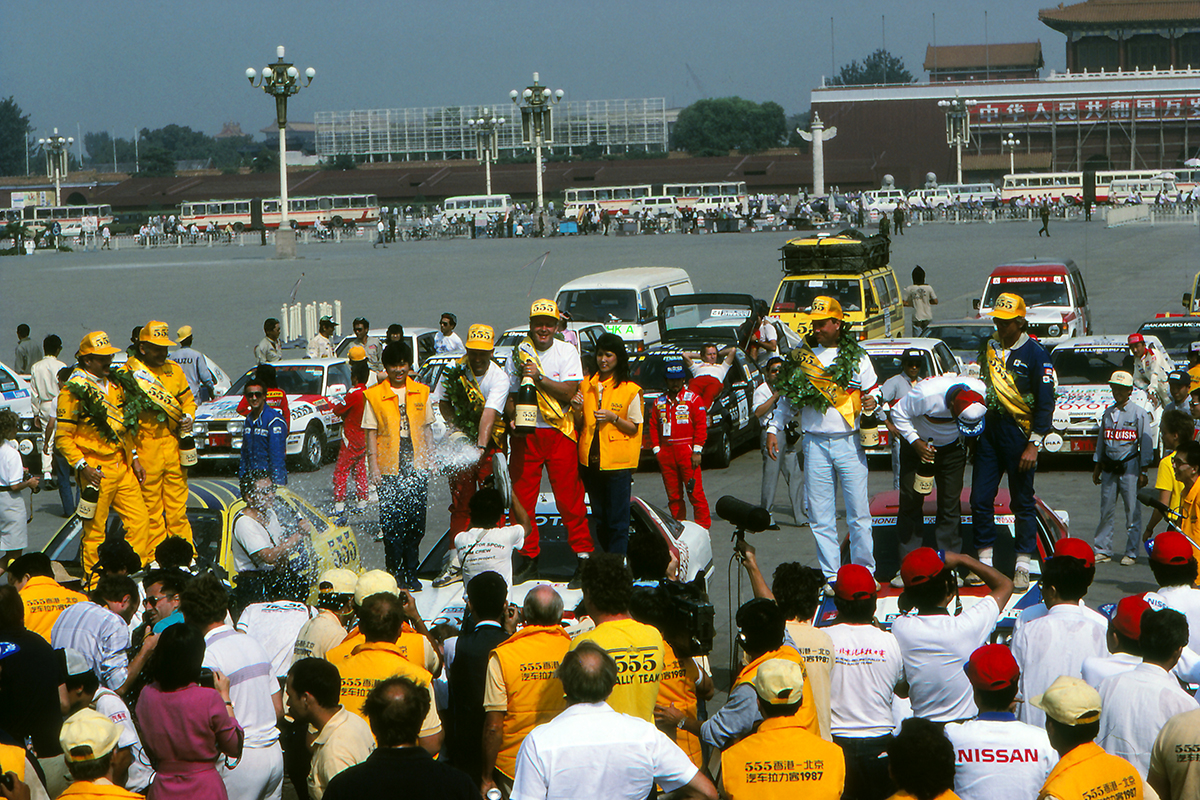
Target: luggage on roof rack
(847,250)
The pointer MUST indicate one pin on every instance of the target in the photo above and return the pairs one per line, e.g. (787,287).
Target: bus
(303,212)
(71,219)
(613,199)
(717,196)
(1143,190)
(478,206)
(1057,185)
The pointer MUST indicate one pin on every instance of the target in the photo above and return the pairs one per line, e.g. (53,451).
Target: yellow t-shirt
(1166,481)
(639,652)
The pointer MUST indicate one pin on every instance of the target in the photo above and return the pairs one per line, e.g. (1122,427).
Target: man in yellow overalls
(165,414)
(92,437)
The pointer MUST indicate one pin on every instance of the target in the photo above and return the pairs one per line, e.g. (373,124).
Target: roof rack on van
(847,250)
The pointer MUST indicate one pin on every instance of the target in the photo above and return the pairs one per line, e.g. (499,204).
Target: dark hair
(86,680)
(64,374)
(488,595)
(12,611)
(1164,631)
(173,580)
(360,321)
(543,612)
(772,361)
(1179,424)
(1190,451)
(588,673)
(395,329)
(396,353)
(135,333)
(117,555)
(269,323)
(22,330)
(10,423)
(175,551)
(317,677)
(648,555)
(921,759)
(178,657)
(447,315)
(996,699)
(856,611)
(929,595)
(1124,643)
(486,506)
(797,590)
(90,769)
(587,362)
(380,617)
(772,710)
(248,481)
(1069,576)
(360,372)
(611,343)
(114,589)
(29,565)
(1165,574)
(918,274)
(396,708)
(607,582)
(1068,737)
(52,345)
(204,601)
(265,376)
(762,624)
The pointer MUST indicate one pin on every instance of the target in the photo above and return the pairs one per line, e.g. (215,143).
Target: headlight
(26,424)
(235,427)
(1054,330)
(199,428)
(25,447)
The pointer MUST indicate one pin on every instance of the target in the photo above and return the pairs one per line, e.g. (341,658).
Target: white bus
(716,196)
(477,206)
(1041,185)
(613,199)
(1143,190)
(970,192)
(303,212)
(71,219)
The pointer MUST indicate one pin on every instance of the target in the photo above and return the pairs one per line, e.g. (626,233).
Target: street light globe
(528,93)
(293,73)
(500,121)
(559,94)
(471,123)
(310,73)
(279,51)
(513,95)
(266,73)
(251,74)
(70,140)
(41,141)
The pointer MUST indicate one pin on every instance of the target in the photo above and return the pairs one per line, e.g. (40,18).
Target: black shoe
(576,581)
(526,569)
(774,526)
(412,584)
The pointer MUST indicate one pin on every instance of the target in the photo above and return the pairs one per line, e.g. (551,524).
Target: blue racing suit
(264,445)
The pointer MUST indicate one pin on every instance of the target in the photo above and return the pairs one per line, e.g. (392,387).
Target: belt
(184,767)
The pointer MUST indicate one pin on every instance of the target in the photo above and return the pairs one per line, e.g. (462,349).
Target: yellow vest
(617,450)
(783,761)
(44,599)
(410,645)
(385,405)
(528,660)
(174,383)
(374,662)
(640,653)
(86,790)
(1089,773)
(12,759)
(678,688)
(807,715)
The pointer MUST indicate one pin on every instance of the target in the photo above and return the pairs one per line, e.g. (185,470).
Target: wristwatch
(1035,439)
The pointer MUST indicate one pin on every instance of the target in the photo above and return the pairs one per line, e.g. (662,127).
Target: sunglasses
(255,395)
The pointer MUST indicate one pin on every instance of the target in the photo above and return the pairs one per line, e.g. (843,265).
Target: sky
(147,65)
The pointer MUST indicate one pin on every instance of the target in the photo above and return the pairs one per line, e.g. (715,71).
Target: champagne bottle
(187,451)
(868,430)
(527,407)
(89,496)
(923,479)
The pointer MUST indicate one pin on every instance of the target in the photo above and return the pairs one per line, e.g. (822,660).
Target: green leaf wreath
(136,401)
(466,413)
(799,391)
(991,398)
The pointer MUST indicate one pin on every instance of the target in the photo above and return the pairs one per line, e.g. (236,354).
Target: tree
(14,138)
(714,127)
(801,121)
(341,161)
(156,162)
(264,161)
(879,67)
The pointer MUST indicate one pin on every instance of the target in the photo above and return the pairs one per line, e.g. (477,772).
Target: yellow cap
(375,581)
(826,308)
(155,332)
(96,343)
(544,308)
(184,332)
(1069,701)
(340,581)
(358,353)
(780,682)
(1121,378)
(91,729)
(1009,306)
(480,337)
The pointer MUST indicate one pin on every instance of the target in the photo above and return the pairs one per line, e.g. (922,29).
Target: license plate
(1083,445)
(220,439)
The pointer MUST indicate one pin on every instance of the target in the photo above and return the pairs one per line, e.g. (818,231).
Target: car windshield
(512,338)
(600,305)
(292,379)
(1175,336)
(796,296)
(699,317)
(887,365)
(1077,366)
(8,382)
(967,338)
(648,372)
(1035,292)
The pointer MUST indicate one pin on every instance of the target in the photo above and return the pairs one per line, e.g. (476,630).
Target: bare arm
(758,585)
(138,663)
(373,456)
(493,734)
(1001,586)
(520,515)
(487,421)
(699,786)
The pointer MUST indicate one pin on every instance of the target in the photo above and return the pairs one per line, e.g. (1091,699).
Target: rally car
(587,335)
(211,509)
(1083,366)
(16,395)
(312,386)
(419,339)
(1176,332)
(965,338)
(887,358)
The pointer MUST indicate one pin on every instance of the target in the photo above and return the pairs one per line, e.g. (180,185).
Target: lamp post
(536,121)
(958,126)
(487,145)
(1012,143)
(281,80)
(57,149)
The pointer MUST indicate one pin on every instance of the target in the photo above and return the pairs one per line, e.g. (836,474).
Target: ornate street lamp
(536,126)
(487,144)
(57,150)
(1012,143)
(958,126)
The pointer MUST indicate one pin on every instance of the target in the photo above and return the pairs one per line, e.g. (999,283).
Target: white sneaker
(1128,561)
(1103,558)
(339,507)
(1021,580)
(898,582)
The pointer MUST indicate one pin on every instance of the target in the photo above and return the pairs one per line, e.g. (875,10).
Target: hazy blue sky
(130,63)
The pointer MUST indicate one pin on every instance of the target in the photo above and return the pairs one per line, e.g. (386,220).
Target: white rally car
(17,396)
(887,356)
(312,386)
(1083,366)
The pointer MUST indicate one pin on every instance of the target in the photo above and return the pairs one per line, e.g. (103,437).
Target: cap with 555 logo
(826,308)
(544,308)
(96,343)
(1009,306)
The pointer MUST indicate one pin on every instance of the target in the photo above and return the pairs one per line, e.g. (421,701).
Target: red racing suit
(352,457)
(678,428)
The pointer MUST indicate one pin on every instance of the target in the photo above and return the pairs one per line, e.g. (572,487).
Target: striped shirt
(251,681)
(100,635)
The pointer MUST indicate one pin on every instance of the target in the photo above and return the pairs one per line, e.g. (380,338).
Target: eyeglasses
(150,602)
(446,322)
(255,395)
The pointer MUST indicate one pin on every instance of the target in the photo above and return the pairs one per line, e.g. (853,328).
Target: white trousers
(258,775)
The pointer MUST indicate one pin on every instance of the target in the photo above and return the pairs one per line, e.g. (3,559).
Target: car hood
(1076,400)
(225,408)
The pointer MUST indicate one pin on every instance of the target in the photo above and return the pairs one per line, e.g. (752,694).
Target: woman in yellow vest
(608,411)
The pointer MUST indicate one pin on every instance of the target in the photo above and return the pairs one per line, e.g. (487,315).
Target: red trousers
(351,460)
(549,448)
(463,486)
(675,461)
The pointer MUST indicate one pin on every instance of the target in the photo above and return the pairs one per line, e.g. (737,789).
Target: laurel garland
(799,391)
(991,398)
(467,413)
(92,404)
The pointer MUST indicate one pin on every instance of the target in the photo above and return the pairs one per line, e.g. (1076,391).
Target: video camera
(680,611)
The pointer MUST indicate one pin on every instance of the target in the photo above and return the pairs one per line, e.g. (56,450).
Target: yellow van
(848,266)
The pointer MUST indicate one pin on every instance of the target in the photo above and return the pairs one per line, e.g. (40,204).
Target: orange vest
(86,790)
(411,645)
(1089,773)
(372,663)
(528,660)
(783,761)
(386,407)
(12,759)
(639,651)
(617,450)
(678,688)
(44,599)
(807,715)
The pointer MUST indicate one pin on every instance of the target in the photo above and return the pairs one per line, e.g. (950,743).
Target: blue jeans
(866,768)
(403,500)
(829,460)
(68,494)
(609,491)
(998,453)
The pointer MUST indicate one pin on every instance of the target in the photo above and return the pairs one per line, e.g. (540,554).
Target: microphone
(743,515)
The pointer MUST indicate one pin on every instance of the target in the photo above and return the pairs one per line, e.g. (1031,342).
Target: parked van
(1056,301)
(882,200)
(848,266)
(625,301)
(964,193)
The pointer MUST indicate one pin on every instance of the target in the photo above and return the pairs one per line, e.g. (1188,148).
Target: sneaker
(449,575)
(973,580)
(1021,580)
(576,581)
(1128,561)
(412,584)
(526,569)
(339,507)
(1103,558)
(897,582)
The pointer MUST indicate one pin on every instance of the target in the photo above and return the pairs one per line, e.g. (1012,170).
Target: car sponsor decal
(1001,519)
(622,330)
(15,394)
(732,313)
(1027,279)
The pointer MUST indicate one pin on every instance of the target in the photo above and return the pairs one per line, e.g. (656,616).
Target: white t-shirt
(1134,707)
(110,704)
(447,344)
(935,648)
(868,668)
(831,422)
(1054,645)
(1097,669)
(12,505)
(251,682)
(766,333)
(493,385)
(998,758)
(1039,610)
(703,368)
(250,537)
(276,626)
(1185,600)
(761,395)
(488,550)
(559,362)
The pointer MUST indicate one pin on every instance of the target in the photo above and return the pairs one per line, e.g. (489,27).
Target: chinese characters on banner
(1093,110)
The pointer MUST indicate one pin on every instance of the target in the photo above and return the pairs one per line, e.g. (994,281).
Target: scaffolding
(422,134)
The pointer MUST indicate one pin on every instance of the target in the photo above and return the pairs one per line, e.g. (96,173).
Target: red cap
(992,667)
(1127,616)
(963,399)
(1171,547)
(1136,338)
(855,582)
(920,566)
(1075,548)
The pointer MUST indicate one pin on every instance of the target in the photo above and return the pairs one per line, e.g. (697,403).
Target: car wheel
(722,454)
(312,454)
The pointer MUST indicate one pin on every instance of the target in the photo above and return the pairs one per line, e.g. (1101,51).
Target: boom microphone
(1147,497)
(743,515)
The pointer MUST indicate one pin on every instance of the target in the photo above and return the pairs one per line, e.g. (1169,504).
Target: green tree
(714,127)
(879,67)
(156,162)
(264,161)
(14,138)
(801,121)
(342,162)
